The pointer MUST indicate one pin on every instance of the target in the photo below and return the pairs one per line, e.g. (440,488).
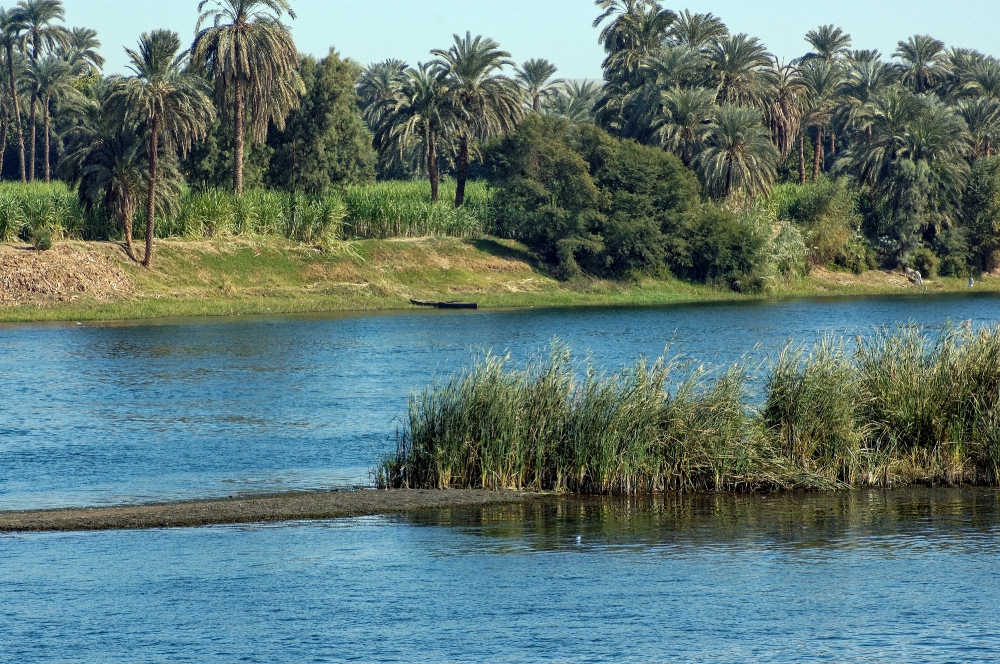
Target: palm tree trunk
(48,172)
(463,170)
(239,122)
(818,154)
(34,137)
(432,169)
(151,194)
(833,143)
(17,109)
(127,230)
(802,157)
(4,123)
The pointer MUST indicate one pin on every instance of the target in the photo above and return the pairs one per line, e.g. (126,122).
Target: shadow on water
(959,517)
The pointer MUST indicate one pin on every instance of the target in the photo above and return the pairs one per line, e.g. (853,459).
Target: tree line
(900,149)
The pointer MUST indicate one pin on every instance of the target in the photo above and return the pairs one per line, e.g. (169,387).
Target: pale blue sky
(560,30)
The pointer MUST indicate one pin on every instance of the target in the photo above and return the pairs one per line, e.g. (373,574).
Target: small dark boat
(446,305)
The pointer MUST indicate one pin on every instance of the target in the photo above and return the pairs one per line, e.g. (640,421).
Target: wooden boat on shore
(445,305)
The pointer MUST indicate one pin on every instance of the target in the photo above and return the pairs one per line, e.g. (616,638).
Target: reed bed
(901,407)
(375,211)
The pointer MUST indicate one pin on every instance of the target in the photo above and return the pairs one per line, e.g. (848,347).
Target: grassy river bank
(78,281)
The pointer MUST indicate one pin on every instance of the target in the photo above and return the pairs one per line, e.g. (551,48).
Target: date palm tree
(982,121)
(738,62)
(378,86)
(416,119)
(633,30)
(50,78)
(923,60)
(243,46)
(485,102)
(82,52)
(739,157)
(687,121)
(783,108)
(822,80)
(575,102)
(35,20)
(696,31)
(10,37)
(829,43)
(169,103)
(535,76)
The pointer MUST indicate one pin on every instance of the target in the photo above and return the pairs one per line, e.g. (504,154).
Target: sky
(559,30)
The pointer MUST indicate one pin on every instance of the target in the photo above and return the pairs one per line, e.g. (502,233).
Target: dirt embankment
(256,509)
(63,274)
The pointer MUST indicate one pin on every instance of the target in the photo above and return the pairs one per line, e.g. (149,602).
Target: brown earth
(254,509)
(65,273)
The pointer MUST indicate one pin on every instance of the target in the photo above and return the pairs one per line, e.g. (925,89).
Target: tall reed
(901,407)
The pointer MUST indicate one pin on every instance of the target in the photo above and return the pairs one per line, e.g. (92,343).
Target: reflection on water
(112,413)
(884,576)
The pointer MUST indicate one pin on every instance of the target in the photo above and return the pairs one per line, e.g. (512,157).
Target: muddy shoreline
(251,509)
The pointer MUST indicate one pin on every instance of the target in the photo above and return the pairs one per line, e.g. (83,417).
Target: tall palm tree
(829,43)
(739,157)
(82,52)
(822,80)
(10,37)
(738,62)
(687,121)
(696,31)
(50,78)
(783,108)
(983,79)
(169,102)
(35,20)
(378,85)
(417,118)
(251,56)
(982,121)
(633,30)
(486,102)
(575,102)
(535,76)
(923,60)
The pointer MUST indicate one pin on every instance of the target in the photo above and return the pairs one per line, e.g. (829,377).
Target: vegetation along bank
(899,408)
(701,166)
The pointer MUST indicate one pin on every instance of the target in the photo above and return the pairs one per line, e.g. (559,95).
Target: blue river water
(99,414)
(103,414)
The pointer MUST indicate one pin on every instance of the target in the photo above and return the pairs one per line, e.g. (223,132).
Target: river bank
(81,281)
(252,509)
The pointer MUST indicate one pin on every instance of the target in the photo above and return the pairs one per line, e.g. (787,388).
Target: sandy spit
(255,509)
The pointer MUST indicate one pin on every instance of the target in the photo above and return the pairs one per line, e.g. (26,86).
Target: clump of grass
(405,209)
(903,407)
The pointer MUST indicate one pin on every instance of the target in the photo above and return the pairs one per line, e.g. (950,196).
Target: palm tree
(535,76)
(34,20)
(378,85)
(251,56)
(687,121)
(739,157)
(783,109)
(983,79)
(169,102)
(416,118)
(82,52)
(575,102)
(738,61)
(10,36)
(829,43)
(485,101)
(982,121)
(636,29)
(923,60)
(696,31)
(822,80)
(50,78)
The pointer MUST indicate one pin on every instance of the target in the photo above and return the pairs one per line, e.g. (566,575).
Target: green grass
(899,408)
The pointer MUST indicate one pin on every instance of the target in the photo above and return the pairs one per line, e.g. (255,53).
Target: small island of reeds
(899,407)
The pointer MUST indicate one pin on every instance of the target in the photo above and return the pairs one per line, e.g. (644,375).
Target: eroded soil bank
(253,509)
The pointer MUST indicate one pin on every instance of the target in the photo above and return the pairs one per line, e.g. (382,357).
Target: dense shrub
(981,214)
(924,261)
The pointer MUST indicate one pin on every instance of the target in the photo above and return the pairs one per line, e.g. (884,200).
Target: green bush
(924,261)
(827,215)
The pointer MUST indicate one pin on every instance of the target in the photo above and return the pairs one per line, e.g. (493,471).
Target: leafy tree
(484,101)
(168,102)
(250,55)
(325,142)
(535,76)
(738,158)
